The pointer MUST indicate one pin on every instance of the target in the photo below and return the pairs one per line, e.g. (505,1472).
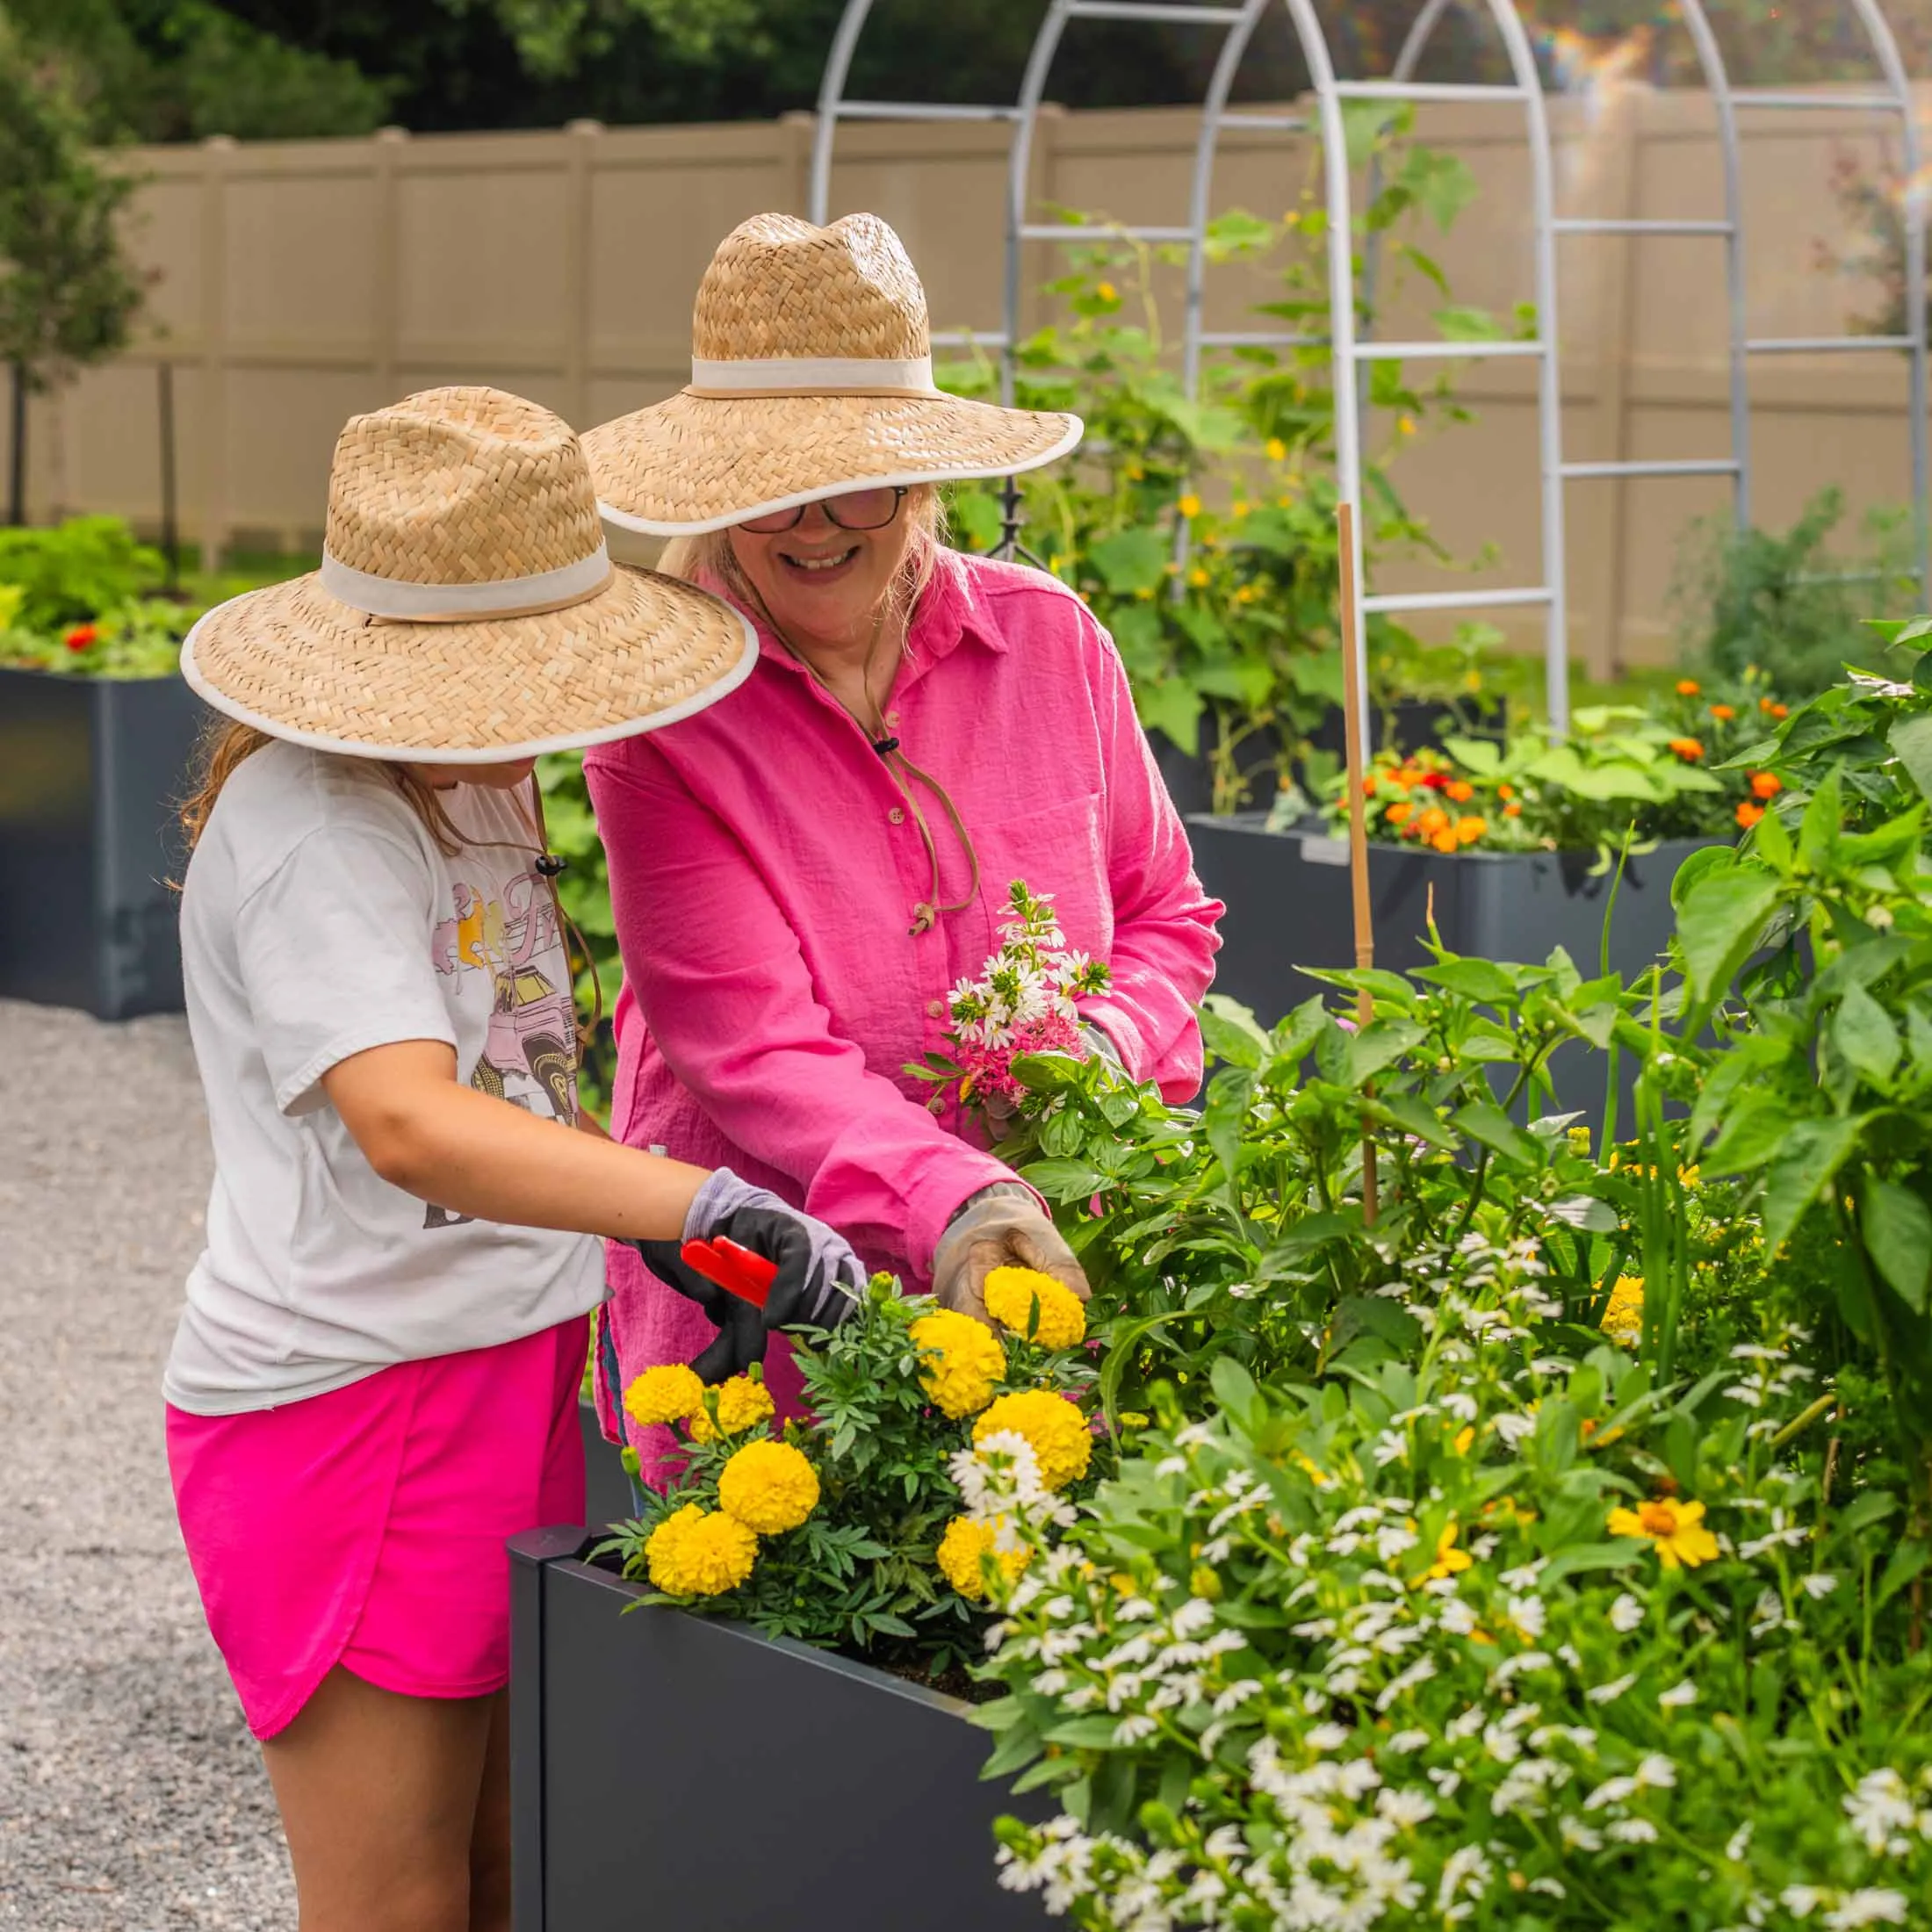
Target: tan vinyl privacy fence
(295,283)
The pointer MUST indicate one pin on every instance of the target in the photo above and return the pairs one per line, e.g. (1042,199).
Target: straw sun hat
(467,612)
(811,373)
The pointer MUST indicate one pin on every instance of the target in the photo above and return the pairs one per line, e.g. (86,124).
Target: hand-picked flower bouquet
(1023,1003)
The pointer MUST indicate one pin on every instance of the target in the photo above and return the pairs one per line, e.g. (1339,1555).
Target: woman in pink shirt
(801,873)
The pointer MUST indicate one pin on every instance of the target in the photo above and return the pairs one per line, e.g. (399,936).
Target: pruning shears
(728,1266)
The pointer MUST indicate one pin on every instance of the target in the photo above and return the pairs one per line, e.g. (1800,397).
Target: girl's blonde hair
(227,743)
(710,559)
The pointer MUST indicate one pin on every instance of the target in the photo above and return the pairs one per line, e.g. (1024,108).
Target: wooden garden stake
(1353,701)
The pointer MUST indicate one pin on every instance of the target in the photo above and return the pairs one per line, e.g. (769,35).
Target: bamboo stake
(1352,702)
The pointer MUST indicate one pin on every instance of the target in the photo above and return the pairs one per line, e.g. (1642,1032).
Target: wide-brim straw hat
(466,611)
(811,373)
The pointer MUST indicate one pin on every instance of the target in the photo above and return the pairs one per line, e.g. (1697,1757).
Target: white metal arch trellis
(1349,353)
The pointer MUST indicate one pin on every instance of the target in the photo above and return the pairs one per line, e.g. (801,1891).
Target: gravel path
(131,1795)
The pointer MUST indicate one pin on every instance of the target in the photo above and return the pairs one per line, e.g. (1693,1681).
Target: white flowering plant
(1497,1635)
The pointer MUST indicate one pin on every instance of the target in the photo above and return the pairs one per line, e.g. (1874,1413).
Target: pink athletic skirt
(365,1527)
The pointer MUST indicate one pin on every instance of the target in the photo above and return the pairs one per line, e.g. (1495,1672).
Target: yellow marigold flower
(1624,1317)
(1055,1428)
(742,1404)
(1406,425)
(1674,1529)
(769,1486)
(1471,827)
(965,1550)
(964,1361)
(699,1552)
(1198,578)
(1107,291)
(1013,1293)
(1277,450)
(668,1392)
(1189,505)
(1449,1559)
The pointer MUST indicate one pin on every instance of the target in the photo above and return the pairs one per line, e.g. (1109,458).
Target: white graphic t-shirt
(319,918)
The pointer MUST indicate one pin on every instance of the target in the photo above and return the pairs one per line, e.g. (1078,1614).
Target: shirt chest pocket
(1056,849)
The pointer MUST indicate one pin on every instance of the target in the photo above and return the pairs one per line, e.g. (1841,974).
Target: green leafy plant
(1783,605)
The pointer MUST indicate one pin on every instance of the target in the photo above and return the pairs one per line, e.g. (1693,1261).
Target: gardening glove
(1000,1227)
(816,1285)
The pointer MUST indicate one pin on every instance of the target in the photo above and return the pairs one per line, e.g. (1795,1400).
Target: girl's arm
(425,1132)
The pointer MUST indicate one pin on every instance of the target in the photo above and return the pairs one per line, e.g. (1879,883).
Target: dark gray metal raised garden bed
(91,772)
(1288,903)
(675,1770)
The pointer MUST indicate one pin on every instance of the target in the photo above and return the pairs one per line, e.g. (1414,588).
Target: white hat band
(456,604)
(810,374)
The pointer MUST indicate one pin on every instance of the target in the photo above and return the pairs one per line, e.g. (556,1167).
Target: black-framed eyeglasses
(855,509)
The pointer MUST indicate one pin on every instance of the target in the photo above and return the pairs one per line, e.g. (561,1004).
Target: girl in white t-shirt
(374,1382)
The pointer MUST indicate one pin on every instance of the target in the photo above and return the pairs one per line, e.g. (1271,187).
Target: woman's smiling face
(818,580)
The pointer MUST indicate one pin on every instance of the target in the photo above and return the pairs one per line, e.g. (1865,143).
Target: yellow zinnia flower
(964,1551)
(742,1404)
(1189,505)
(668,1392)
(699,1552)
(1057,1430)
(1675,1529)
(1012,1294)
(1624,1318)
(769,1486)
(963,1359)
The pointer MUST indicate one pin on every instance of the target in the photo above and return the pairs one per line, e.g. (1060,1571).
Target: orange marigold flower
(1749,814)
(1766,785)
(1688,687)
(1781,711)
(1432,821)
(1459,789)
(1723,713)
(1368,784)
(1399,814)
(1470,829)
(1512,810)
(1505,792)
(1689,749)
(1764,704)
(1445,841)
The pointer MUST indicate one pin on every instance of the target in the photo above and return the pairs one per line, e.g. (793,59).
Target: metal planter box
(675,1770)
(91,773)
(1289,904)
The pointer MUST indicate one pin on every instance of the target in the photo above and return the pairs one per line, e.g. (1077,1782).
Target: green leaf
(1909,1558)
(1719,923)
(1751,1134)
(1585,1212)
(1911,739)
(1472,978)
(1413,1116)
(1818,831)
(1897,1227)
(1813,1153)
(1864,1033)
(1173,707)
(1234,1390)
(1462,324)
(1378,1044)
(1483,1122)
(1591,1556)
(1232,1033)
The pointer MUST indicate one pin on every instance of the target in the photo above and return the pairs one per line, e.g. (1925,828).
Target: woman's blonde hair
(710,559)
(227,743)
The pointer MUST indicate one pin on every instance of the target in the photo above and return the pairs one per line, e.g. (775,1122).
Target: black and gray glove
(817,1285)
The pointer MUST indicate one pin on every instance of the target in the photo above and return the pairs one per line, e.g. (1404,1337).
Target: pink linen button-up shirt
(766,869)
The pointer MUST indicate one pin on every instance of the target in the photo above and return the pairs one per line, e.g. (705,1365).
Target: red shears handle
(747,1275)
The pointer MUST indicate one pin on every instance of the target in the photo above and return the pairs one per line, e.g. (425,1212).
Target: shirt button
(936,1009)
(897,816)
(891,718)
